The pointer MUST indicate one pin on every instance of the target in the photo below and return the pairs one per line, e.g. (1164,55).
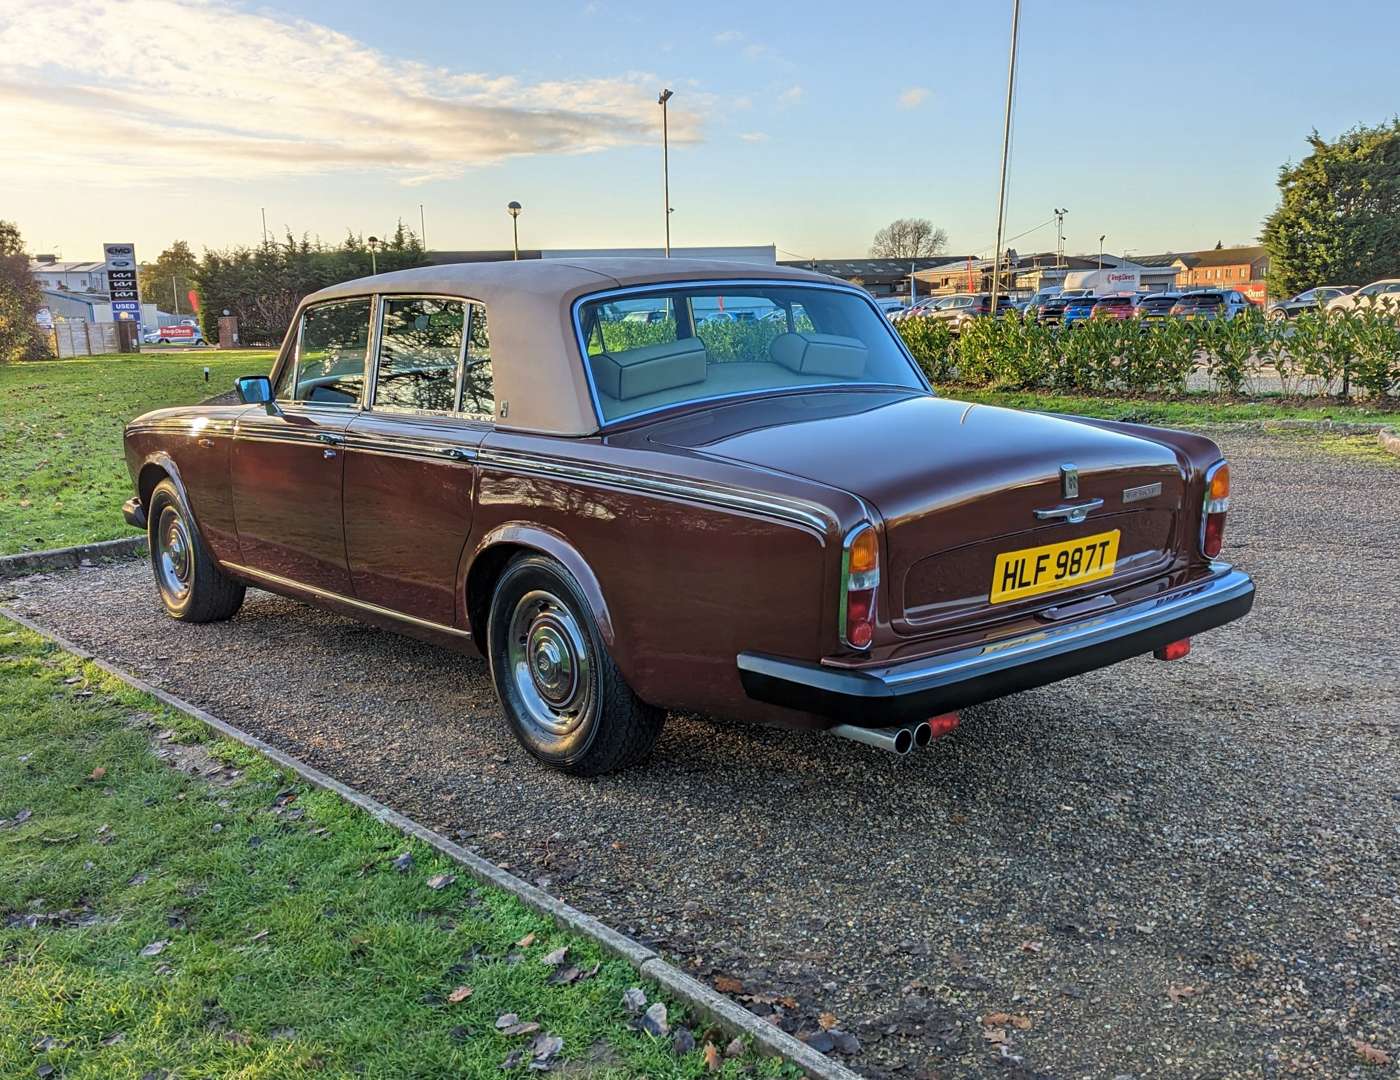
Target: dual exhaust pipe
(899,740)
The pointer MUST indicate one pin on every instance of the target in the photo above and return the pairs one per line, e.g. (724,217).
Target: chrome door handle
(328,454)
(456,453)
(1073,513)
(331,438)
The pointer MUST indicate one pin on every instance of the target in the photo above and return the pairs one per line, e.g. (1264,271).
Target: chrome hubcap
(174,558)
(548,656)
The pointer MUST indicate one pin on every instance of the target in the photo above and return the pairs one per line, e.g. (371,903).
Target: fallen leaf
(526,941)
(555,958)
(460,994)
(820,1041)
(97,773)
(683,1042)
(1372,1055)
(1001,1019)
(827,1021)
(712,1058)
(71,678)
(403,863)
(735,1048)
(155,948)
(114,1038)
(441,881)
(261,935)
(727,984)
(1178,994)
(515,1059)
(522,1028)
(505,1020)
(23,816)
(634,1000)
(1031,946)
(995,1035)
(565,976)
(238,1038)
(544,1047)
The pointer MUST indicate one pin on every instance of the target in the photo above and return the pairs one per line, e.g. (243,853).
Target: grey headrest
(631,373)
(820,354)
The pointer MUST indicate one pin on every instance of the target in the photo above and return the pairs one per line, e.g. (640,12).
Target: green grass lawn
(236,923)
(64,477)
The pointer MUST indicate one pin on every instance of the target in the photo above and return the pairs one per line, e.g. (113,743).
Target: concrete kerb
(706,1002)
(34,562)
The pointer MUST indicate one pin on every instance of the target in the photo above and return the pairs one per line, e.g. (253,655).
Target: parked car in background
(1122,306)
(1384,294)
(1039,300)
(1308,301)
(776,521)
(1210,304)
(1052,309)
(1156,307)
(961,308)
(1078,309)
(920,308)
(890,305)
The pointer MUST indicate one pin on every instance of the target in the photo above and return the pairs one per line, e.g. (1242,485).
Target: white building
(79,277)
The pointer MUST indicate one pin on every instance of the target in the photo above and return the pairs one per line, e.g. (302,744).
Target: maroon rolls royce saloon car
(637,485)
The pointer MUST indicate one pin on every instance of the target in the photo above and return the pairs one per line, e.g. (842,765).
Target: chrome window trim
(803,513)
(456,411)
(359,406)
(327,594)
(673,286)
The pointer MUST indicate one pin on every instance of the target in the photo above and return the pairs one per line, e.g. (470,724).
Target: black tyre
(191,586)
(566,700)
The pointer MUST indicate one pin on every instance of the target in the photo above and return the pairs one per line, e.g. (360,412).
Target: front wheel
(566,701)
(192,587)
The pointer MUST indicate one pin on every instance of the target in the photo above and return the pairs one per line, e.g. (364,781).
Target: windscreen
(658,348)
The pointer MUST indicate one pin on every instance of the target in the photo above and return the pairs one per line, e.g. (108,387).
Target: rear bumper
(917,689)
(134,513)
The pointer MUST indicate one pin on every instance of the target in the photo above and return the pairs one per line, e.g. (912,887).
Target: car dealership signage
(122,288)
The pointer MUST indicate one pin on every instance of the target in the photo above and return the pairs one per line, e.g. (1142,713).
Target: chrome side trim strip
(714,494)
(326,594)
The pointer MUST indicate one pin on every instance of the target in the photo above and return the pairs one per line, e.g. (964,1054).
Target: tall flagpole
(1005,153)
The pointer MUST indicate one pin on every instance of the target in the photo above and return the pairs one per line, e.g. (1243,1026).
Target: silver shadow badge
(1069,481)
(1143,491)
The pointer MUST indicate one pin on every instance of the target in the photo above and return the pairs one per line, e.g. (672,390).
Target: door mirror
(256,390)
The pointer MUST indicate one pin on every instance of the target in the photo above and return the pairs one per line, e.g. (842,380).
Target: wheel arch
(160,466)
(503,543)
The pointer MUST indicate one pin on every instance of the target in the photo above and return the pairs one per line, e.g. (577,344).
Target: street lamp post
(1101,252)
(1060,237)
(373,244)
(666,96)
(1005,149)
(513,208)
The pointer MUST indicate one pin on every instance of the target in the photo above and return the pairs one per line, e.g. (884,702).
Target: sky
(807,125)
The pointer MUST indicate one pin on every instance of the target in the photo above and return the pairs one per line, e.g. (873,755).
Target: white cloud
(259,94)
(913,97)
(754,136)
(792,95)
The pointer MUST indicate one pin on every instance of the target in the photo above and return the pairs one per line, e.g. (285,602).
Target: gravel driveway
(1181,870)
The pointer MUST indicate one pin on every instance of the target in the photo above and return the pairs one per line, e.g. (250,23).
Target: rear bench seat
(633,373)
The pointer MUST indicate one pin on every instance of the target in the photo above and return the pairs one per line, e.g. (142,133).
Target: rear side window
(420,349)
(331,352)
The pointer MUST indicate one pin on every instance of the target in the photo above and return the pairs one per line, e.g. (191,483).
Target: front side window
(331,353)
(420,348)
(692,342)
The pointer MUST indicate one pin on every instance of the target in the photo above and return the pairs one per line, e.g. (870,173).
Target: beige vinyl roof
(535,361)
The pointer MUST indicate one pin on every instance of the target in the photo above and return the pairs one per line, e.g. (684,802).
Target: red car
(1115,307)
(629,509)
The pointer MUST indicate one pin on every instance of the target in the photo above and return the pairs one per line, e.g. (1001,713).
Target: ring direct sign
(122,288)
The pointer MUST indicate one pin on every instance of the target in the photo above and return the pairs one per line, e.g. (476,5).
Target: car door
(410,458)
(287,464)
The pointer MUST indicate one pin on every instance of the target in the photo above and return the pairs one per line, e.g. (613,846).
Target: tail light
(1217,502)
(860,580)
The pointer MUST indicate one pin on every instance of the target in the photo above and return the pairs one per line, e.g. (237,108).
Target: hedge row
(1322,354)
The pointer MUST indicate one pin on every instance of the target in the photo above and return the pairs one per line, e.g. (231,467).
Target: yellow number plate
(1032,571)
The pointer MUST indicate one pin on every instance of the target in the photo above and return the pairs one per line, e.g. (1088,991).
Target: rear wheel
(192,587)
(567,703)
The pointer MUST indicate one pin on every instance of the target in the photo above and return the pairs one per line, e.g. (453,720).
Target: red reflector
(1215,535)
(859,634)
(1175,650)
(942,725)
